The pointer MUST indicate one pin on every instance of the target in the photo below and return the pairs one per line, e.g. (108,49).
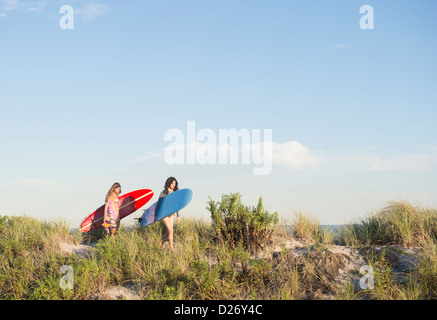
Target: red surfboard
(128,203)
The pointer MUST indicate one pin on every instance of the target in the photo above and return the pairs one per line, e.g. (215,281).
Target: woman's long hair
(115,185)
(168,183)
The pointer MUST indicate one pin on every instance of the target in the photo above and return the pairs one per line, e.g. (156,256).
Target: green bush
(236,223)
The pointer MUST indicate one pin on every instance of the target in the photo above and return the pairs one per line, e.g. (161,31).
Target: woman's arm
(105,212)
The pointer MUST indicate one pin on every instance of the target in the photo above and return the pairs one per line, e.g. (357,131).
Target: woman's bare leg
(168,222)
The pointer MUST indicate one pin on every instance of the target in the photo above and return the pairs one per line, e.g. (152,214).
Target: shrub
(235,223)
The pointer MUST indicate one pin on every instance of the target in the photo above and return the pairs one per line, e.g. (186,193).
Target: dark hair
(115,185)
(168,182)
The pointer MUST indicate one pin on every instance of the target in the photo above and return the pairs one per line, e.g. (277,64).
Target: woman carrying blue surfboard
(171,185)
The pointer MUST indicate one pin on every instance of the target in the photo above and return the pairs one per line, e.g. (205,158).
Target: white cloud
(12,5)
(402,162)
(38,6)
(149,155)
(89,11)
(294,155)
(369,159)
(338,47)
(92,11)
(291,154)
(33,182)
(9,5)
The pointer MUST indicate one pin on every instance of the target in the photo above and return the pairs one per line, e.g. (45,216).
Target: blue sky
(353,112)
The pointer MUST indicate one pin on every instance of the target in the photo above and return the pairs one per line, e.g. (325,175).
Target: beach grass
(203,267)
(399,223)
(308,228)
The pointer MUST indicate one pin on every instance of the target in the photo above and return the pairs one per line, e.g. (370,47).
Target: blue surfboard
(171,203)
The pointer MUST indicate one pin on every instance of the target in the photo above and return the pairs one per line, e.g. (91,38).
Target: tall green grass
(399,223)
(200,267)
(402,224)
(308,229)
(29,262)
(203,268)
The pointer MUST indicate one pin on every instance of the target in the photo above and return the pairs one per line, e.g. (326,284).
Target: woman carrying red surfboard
(111,218)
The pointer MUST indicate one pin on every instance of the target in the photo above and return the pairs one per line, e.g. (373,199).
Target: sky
(352,111)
